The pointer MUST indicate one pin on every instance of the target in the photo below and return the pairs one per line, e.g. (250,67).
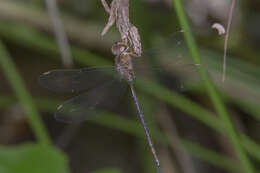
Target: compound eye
(118,48)
(122,48)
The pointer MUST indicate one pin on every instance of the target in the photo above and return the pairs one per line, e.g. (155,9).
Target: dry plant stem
(119,14)
(230,15)
(105,6)
(168,164)
(60,33)
(147,132)
(175,142)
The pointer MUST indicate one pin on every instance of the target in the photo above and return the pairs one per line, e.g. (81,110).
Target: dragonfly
(105,85)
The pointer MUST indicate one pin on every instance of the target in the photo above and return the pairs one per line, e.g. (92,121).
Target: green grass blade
(218,103)
(23,95)
(131,127)
(210,156)
(251,146)
(177,100)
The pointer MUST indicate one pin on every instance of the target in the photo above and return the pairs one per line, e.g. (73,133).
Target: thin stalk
(146,129)
(23,95)
(174,139)
(217,101)
(60,33)
(230,15)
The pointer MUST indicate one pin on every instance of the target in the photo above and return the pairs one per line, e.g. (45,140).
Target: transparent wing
(91,104)
(75,80)
(171,49)
(169,62)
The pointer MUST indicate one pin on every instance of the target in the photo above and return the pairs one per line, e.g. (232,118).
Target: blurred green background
(212,127)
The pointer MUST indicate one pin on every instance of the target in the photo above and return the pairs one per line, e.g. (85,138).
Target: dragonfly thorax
(124,67)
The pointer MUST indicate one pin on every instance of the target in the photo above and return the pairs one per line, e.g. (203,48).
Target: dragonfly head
(118,48)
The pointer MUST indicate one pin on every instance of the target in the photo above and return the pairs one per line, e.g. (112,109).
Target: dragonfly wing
(169,62)
(75,80)
(91,104)
(173,48)
(183,78)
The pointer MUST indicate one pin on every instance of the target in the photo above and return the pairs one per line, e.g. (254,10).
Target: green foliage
(211,90)
(32,158)
(28,155)
(212,157)
(23,95)
(112,121)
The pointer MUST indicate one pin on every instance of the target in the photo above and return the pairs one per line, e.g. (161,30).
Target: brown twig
(119,14)
(230,15)
(105,6)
